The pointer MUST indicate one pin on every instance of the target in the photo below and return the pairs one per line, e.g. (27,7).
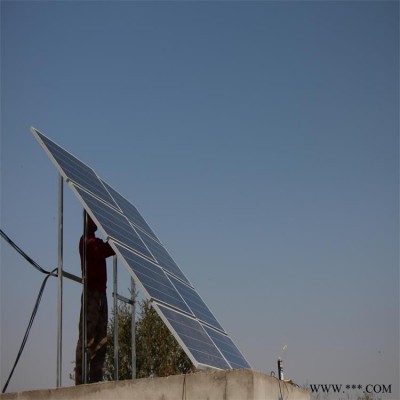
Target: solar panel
(196,304)
(149,263)
(114,224)
(163,258)
(153,279)
(228,349)
(192,336)
(130,211)
(153,244)
(73,169)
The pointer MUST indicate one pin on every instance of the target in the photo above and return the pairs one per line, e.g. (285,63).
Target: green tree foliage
(124,345)
(157,352)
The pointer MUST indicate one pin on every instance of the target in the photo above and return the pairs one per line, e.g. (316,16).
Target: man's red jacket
(96,253)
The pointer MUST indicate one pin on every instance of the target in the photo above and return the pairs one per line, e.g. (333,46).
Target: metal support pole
(116,344)
(60,278)
(84,302)
(280,369)
(133,327)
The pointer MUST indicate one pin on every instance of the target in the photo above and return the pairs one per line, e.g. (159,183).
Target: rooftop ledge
(217,385)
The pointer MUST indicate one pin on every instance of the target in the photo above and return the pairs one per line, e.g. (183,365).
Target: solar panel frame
(100,198)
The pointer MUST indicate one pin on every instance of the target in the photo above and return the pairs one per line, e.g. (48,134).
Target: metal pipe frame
(133,327)
(60,278)
(132,303)
(63,274)
(84,302)
(72,277)
(125,299)
(116,341)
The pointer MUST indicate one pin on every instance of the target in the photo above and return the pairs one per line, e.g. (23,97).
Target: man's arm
(98,249)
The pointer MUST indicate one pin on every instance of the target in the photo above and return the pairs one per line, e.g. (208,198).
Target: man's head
(90,225)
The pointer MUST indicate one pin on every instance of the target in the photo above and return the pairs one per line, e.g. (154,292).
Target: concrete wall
(221,385)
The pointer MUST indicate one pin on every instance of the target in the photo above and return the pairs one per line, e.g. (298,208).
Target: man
(97,310)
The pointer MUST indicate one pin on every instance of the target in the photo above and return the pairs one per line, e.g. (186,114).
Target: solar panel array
(161,280)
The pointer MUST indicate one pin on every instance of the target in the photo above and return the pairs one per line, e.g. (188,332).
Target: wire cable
(23,254)
(184,388)
(280,390)
(36,306)
(28,329)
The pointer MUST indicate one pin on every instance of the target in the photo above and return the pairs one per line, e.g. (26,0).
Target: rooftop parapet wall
(221,385)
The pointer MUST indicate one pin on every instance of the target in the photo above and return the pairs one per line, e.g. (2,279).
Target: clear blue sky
(258,139)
